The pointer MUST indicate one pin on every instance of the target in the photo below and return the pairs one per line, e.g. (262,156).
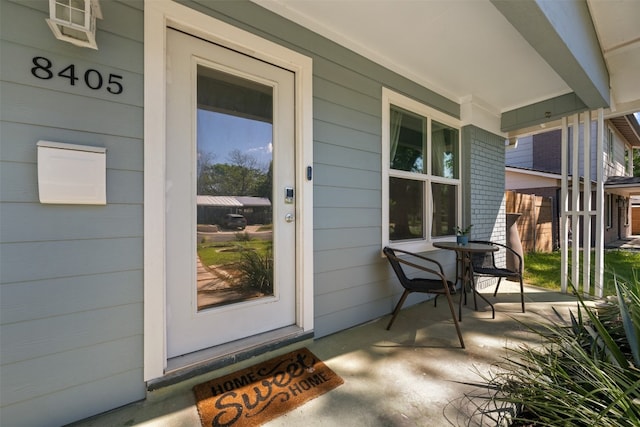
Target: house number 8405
(93,79)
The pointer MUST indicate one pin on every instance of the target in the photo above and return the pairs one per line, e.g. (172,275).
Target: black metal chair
(484,265)
(438,285)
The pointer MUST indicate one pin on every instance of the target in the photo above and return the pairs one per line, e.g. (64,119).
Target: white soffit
(617,24)
(461,49)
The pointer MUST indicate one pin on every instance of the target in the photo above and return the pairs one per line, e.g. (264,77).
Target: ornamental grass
(585,372)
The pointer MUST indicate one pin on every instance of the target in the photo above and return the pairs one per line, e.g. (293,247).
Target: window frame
(391,98)
(608,214)
(610,146)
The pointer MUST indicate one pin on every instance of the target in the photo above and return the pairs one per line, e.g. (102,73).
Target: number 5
(114,82)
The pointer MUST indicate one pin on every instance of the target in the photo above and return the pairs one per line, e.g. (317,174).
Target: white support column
(575,202)
(586,206)
(599,249)
(564,206)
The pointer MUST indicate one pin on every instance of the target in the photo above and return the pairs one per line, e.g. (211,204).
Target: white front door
(230,195)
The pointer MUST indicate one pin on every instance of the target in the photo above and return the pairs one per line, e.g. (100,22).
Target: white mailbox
(72,174)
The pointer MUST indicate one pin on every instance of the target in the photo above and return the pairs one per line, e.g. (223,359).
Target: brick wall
(483,184)
(486,186)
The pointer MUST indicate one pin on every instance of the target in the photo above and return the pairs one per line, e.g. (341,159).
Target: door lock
(288,217)
(288,195)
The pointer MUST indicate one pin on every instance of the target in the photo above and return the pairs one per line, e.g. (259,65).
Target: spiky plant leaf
(612,348)
(630,329)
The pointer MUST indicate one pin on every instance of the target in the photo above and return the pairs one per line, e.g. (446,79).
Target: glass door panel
(234,168)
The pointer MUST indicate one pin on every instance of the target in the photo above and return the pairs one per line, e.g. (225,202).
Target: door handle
(288,217)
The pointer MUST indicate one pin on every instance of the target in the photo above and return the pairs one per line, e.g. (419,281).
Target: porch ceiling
(504,56)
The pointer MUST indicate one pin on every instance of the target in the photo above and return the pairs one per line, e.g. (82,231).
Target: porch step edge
(229,354)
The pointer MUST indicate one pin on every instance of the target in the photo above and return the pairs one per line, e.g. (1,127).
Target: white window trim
(389,98)
(610,146)
(626,212)
(158,15)
(609,210)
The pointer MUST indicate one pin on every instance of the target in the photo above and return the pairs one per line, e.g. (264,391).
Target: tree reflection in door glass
(234,189)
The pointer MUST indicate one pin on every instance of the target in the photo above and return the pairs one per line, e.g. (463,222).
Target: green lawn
(543,269)
(229,252)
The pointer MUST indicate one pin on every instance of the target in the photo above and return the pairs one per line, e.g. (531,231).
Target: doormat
(255,395)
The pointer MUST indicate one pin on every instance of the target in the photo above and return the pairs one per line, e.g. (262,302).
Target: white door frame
(158,14)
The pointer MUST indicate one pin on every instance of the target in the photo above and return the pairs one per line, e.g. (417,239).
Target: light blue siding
(522,155)
(345,238)
(64,296)
(71,276)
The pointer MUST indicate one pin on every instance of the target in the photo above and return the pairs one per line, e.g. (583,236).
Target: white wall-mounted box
(72,174)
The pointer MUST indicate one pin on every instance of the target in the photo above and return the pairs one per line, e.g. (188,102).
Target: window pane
(444,209)
(406,209)
(444,152)
(407,140)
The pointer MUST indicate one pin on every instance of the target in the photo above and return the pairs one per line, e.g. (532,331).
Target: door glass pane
(407,140)
(234,191)
(406,209)
(444,209)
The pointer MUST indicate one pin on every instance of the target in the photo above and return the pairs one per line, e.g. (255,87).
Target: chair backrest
(482,260)
(391,256)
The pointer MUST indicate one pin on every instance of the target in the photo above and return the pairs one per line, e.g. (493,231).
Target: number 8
(38,66)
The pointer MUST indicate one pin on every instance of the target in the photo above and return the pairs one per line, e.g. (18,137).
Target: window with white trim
(421,172)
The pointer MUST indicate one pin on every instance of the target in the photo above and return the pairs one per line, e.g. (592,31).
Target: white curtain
(438,154)
(395,120)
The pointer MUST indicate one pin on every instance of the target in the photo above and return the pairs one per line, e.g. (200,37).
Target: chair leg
(474,291)
(497,286)
(455,321)
(522,294)
(398,307)
(463,294)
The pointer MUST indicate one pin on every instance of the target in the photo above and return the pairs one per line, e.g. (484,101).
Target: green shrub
(584,374)
(243,236)
(257,270)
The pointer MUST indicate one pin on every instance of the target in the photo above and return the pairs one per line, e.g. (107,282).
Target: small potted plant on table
(462,235)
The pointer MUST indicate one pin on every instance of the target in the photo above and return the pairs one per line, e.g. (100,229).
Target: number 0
(88,81)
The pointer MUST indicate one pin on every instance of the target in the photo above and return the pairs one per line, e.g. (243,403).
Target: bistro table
(463,259)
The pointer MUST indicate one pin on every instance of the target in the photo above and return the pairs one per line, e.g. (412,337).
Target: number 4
(69,73)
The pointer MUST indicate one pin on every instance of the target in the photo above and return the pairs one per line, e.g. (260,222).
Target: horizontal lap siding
(352,282)
(522,155)
(71,279)
(347,200)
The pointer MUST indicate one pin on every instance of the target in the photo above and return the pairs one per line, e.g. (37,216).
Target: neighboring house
(533,166)
(211,209)
(635,215)
(96,281)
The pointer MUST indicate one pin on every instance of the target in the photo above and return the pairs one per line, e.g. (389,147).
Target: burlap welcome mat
(262,392)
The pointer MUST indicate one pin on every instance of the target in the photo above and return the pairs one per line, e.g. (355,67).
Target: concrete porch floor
(412,375)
